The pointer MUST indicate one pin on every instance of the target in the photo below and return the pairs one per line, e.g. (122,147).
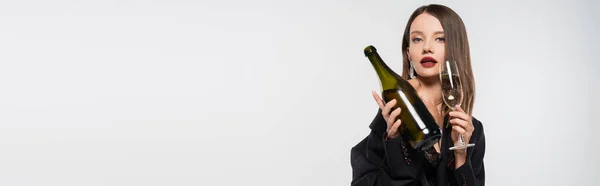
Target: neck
(432,86)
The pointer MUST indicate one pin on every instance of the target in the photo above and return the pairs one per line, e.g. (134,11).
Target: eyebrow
(419,32)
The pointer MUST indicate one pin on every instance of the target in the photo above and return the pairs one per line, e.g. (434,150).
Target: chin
(429,74)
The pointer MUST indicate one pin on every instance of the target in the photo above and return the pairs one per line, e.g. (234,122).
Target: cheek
(441,52)
(413,52)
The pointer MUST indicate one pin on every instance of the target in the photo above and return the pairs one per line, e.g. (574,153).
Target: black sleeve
(472,173)
(377,161)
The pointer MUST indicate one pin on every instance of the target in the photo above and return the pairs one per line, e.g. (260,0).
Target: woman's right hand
(390,118)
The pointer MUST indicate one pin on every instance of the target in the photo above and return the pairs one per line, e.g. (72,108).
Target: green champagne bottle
(418,126)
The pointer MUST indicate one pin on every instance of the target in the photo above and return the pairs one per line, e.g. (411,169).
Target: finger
(377,99)
(459,122)
(457,107)
(460,114)
(394,129)
(388,107)
(467,124)
(393,115)
(459,130)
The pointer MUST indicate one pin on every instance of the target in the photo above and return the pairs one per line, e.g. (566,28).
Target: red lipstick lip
(428,62)
(428,59)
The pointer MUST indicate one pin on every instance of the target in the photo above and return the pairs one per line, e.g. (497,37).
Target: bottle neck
(388,78)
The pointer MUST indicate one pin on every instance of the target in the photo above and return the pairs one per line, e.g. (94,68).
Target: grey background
(274,92)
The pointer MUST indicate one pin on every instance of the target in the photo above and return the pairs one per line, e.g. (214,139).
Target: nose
(427,48)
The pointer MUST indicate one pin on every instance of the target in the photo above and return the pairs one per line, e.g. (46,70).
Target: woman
(433,34)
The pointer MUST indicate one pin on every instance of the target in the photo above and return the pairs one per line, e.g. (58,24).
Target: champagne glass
(452,94)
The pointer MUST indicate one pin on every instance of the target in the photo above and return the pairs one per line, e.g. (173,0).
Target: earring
(411,71)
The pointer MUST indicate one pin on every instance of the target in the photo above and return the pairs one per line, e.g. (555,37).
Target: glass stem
(461,141)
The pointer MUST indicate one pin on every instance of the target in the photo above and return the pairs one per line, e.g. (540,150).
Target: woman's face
(426,45)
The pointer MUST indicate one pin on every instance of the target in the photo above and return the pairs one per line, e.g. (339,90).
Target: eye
(414,40)
(440,39)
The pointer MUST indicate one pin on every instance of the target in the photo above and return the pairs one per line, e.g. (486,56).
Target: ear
(408,54)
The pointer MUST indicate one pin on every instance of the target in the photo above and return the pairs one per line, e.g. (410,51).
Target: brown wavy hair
(456,46)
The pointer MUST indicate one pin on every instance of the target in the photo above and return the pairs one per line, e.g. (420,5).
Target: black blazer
(379,162)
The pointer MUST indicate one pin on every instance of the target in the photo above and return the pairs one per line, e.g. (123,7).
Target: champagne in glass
(418,125)
(452,94)
(451,90)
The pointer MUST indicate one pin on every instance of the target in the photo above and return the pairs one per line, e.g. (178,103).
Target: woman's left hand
(461,124)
